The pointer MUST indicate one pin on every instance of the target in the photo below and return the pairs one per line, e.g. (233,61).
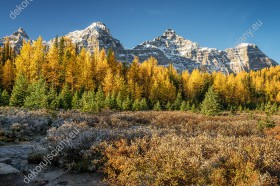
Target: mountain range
(167,48)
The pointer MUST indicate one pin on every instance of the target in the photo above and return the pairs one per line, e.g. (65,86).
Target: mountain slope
(16,39)
(96,35)
(185,54)
(167,48)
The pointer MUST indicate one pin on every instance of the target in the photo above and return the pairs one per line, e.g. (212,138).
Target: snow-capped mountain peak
(98,26)
(169,33)
(16,39)
(242,45)
(167,48)
(21,32)
(95,35)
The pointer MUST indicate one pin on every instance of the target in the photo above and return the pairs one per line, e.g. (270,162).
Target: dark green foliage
(143,104)
(178,102)
(88,102)
(65,98)
(126,105)
(193,108)
(119,101)
(136,105)
(20,91)
(210,105)
(37,96)
(157,106)
(76,101)
(168,106)
(5,98)
(183,106)
(100,98)
(110,101)
(53,99)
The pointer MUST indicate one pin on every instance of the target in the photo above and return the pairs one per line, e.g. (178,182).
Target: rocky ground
(14,164)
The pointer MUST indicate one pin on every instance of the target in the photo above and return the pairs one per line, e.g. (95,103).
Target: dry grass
(159,148)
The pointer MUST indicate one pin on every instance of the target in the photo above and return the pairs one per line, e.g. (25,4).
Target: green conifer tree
(76,101)
(53,99)
(5,98)
(157,106)
(210,105)
(19,92)
(37,96)
(143,104)
(183,106)
(136,105)
(100,99)
(65,98)
(168,106)
(88,102)
(119,101)
(126,105)
(178,102)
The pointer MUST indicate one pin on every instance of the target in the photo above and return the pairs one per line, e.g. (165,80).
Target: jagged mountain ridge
(16,39)
(96,35)
(167,48)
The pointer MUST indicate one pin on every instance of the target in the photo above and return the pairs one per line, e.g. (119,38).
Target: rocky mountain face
(167,48)
(185,54)
(96,35)
(16,39)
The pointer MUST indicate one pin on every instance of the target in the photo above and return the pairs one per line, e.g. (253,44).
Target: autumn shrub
(201,160)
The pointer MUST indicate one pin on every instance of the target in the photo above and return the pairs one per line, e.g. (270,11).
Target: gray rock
(7,170)
(6,160)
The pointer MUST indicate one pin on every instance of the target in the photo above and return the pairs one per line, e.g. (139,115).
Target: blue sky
(212,23)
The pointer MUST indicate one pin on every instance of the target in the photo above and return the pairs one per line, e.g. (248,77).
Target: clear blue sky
(212,23)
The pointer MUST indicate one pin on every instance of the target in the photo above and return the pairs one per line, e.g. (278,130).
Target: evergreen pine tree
(88,102)
(37,97)
(76,101)
(53,99)
(240,108)
(136,105)
(113,101)
(126,105)
(157,106)
(119,101)
(188,106)
(183,106)
(5,97)
(19,91)
(178,102)
(100,99)
(210,105)
(107,103)
(168,106)
(193,108)
(143,104)
(65,98)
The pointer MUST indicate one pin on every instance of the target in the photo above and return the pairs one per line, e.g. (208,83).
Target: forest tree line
(61,77)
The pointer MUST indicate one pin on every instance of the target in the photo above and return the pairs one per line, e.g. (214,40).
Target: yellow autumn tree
(8,76)
(162,90)
(134,81)
(53,69)
(100,66)
(108,82)
(23,60)
(36,60)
